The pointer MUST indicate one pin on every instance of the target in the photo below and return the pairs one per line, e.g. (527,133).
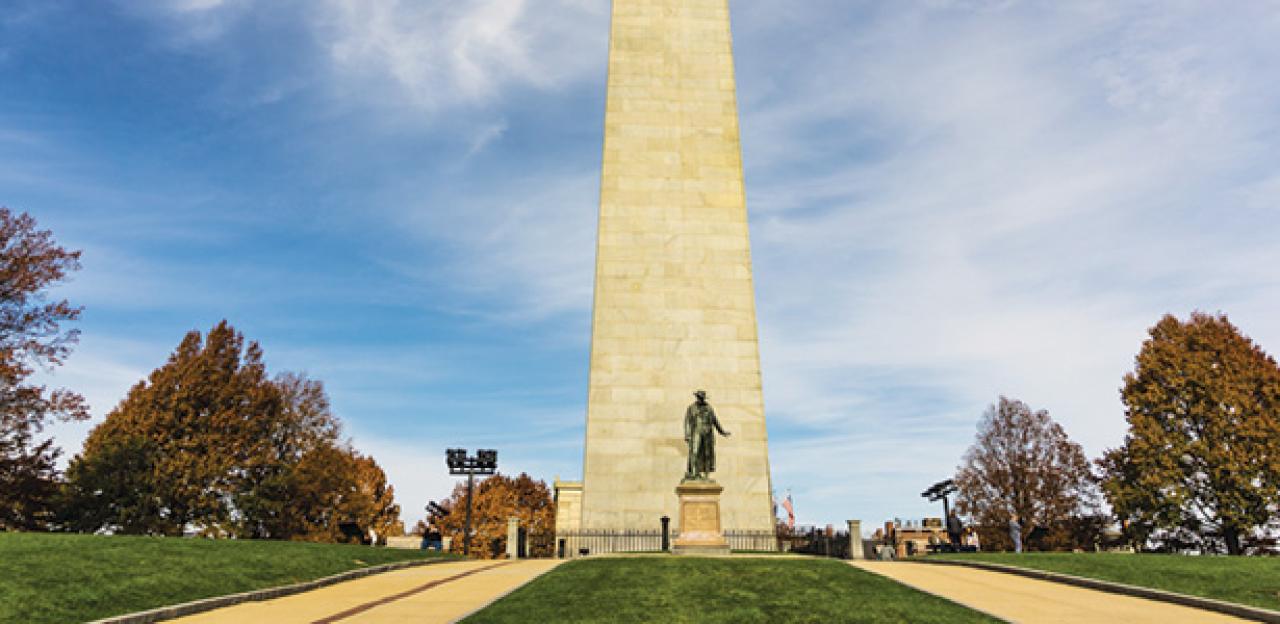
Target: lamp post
(485,462)
(940,491)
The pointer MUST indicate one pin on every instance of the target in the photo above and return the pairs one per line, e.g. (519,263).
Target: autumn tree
(32,337)
(1022,462)
(494,501)
(203,419)
(1200,465)
(304,426)
(334,485)
(209,442)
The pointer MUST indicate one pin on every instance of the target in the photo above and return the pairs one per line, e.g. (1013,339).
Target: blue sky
(950,200)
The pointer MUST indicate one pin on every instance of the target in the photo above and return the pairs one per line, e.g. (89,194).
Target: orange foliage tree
(494,501)
(209,443)
(1200,466)
(31,336)
(334,485)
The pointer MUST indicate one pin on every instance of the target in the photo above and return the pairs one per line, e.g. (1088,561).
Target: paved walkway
(442,592)
(1021,599)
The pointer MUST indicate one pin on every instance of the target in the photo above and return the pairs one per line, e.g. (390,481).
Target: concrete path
(442,592)
(1020,599)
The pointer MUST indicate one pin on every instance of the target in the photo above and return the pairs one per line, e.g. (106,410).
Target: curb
(1208,604)
(208,604)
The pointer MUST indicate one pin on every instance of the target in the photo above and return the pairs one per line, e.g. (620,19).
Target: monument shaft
(674,299)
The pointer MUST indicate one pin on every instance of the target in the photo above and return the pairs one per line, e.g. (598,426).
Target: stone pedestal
(700,530)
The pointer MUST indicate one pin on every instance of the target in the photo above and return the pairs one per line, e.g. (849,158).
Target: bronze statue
(699,420)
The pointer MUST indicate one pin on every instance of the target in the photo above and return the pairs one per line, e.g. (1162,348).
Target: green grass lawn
(1242,580)
(74,578)
(670,589)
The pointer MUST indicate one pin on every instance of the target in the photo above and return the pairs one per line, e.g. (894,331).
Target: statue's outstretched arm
(715,420)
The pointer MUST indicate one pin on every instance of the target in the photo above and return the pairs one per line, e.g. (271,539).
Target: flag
(791,512)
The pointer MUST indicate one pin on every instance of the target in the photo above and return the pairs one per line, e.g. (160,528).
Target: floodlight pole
(466,537)
(485,462)
(941,490)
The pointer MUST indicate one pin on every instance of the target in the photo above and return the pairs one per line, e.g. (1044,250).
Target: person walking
(1015,533)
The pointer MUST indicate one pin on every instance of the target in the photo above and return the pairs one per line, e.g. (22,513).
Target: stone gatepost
(513,537)
(855,540)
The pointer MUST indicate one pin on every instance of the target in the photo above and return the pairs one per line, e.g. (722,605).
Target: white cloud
(445,54)
(192,22)
(408,59)
(953,201)
(950,201)
(487,135)
(963,204)
(188,6)
(525,248)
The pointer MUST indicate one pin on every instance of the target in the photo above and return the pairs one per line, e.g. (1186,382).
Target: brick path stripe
(404,594)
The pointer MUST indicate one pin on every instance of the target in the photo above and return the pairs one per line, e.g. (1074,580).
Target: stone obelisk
(674,299)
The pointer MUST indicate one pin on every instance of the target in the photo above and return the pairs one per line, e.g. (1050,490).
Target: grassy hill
(728,591)
(1243,580)
(74,578)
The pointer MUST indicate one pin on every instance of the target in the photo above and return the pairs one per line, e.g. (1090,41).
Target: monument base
(700,530)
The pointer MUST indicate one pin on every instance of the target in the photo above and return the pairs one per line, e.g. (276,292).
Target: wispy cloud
(999,198)
(443,54)
(523,251)
(487,135)
(949,200)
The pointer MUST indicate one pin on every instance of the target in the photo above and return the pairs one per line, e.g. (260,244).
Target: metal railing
(592,542)
(758,541)
(818,542)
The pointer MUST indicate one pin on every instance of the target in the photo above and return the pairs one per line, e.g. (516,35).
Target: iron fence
(537,545)
(593,542)
(755,541)
(818,542)
(580,543)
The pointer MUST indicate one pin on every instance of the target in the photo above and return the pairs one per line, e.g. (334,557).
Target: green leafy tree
(1023,462)
(31,337)
(1200,465)
(114,486)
